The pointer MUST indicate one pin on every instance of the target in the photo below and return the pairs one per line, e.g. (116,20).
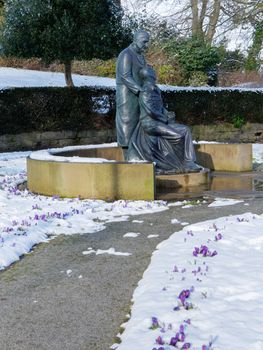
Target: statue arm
(151,112)
(169,115)
(125,70)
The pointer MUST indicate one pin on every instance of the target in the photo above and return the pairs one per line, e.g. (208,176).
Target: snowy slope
(12,77)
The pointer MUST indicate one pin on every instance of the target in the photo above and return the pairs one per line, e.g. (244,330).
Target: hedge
(56,109)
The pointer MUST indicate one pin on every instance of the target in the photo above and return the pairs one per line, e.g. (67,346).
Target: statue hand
(171,115)
(163,120)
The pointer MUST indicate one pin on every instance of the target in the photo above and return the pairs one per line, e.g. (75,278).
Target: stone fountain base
(101,173)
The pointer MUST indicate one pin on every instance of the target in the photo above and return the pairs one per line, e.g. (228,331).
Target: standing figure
(128,86)
(157,137)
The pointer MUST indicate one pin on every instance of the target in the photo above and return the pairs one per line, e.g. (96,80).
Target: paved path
(44,308)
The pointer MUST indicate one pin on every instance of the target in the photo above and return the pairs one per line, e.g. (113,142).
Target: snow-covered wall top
(17,78)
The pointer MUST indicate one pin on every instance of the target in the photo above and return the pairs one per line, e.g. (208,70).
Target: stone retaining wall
(225,132)
(48,139)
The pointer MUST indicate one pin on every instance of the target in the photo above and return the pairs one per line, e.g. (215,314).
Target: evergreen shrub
(86,108)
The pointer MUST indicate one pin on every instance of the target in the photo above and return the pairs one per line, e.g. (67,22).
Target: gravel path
(45,308)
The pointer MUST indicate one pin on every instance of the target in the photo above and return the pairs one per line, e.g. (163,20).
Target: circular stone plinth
(89,172)
(184,181)
(99,172)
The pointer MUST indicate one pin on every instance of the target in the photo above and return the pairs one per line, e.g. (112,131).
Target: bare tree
(205,19)
(205,16)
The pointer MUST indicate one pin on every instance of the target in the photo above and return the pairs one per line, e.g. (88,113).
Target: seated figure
(157,137)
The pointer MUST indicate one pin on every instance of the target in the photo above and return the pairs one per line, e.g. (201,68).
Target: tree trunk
(195,19)
(213,20)
(68,74)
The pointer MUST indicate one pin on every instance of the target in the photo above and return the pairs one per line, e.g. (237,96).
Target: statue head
(141,40)
(147,73)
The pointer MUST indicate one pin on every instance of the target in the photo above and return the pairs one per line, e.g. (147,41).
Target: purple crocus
(173,341)
(155,323)
(186,346)
(196,251)
(159,340)
(175,269)
(203,250)
(184,295)
(218,237)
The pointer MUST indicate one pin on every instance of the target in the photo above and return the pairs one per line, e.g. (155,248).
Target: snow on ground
(258,153)
(13,77)
(27,219)
(202,290)
(220,202)
(203,286)
(110,251)
(131,234)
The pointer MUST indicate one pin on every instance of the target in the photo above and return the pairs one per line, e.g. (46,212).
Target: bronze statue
(157,137)
(128,86)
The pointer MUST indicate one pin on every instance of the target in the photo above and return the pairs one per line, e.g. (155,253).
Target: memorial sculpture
(143,125)
(128,86)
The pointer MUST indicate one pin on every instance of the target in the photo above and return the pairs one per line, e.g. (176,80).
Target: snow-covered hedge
(56,109)
(215,105)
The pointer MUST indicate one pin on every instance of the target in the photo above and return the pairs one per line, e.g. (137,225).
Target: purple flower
(173,341)
(186,346)
(203,250)
(196,251)
(185,294)
(159,340)
(175,269)
(204,347)
(7,229)
(155,322)
(218,237)
(181,337)
(188,321)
